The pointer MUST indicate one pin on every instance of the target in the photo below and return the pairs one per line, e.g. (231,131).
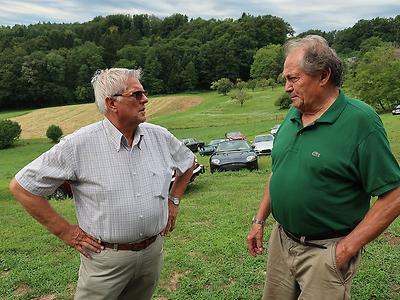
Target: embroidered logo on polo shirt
(316,154)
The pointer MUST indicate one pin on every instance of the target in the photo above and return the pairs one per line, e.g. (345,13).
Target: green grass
(205,257)
(12,114)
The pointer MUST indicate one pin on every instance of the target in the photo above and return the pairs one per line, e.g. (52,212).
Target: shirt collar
(334,111)
(330,116)
(117,138)
(137,139)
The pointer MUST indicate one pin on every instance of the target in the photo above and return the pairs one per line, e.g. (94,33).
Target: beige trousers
(120,274)
(302,272)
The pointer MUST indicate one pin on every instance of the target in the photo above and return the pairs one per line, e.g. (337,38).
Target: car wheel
(60,193)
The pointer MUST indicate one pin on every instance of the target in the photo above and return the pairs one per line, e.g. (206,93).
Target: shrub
(223,86)
(9,133)
(283,101)
(54,133)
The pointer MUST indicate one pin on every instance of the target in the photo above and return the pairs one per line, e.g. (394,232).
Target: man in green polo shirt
(331,154)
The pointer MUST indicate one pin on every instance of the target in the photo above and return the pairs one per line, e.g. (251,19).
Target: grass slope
(205,257)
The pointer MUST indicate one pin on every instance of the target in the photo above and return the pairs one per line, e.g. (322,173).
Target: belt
(133,247)
(305,240)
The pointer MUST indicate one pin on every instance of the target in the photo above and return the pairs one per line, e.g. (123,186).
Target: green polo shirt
(325,173)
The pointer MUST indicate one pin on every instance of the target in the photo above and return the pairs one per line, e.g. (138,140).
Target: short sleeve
(378,167)
(181,155)
(43,175)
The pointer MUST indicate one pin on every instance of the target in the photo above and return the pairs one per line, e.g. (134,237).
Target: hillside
(72,117)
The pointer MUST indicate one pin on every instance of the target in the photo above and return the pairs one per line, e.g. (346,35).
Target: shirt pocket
(161,182)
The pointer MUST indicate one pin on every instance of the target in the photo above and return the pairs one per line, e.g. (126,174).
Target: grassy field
(205,257)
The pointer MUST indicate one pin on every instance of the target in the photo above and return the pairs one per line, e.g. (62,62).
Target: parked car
(198,169)
(193,144)
(235,135)
(274,129)
(396,110)
(64,191)
(263,144)
(211,146)
(233,155)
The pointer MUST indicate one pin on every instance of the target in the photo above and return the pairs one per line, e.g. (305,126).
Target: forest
(50,64)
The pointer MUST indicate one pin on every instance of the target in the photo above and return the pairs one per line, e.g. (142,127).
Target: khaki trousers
(120,274)
(302,272)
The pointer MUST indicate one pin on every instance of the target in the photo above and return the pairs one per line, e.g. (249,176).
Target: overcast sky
(301,15)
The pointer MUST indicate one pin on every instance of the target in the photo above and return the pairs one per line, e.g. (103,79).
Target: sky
(301,15)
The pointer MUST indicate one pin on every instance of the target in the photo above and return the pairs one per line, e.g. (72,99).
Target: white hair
(109,82)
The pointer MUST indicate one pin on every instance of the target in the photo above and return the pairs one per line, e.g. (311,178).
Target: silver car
(274,129)
(263,144)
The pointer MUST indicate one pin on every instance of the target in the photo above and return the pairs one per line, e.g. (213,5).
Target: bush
(284,101)
(223,86)
(54,133)
(9,133)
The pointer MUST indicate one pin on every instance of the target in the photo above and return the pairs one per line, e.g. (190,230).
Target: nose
(288,86)
(144,99)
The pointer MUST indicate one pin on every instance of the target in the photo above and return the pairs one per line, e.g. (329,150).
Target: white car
(274,129)
(263,144)
(396,110)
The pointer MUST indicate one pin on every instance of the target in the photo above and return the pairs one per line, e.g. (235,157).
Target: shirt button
(141,234)
(134,173)
(138,195)
(141,217)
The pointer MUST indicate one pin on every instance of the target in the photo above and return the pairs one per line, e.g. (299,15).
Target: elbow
(15,188)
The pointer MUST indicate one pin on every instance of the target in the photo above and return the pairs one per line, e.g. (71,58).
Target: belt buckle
(303,240)
(115,247)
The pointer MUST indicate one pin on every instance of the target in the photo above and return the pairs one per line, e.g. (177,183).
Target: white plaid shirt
(120,192)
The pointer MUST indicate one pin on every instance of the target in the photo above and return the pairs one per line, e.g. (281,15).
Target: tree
(268,62)
(377,77)
(252,84)
(189,77)
(54,133)
(223,86)
(240,95)
(284,101)
(9,133)
(152,72)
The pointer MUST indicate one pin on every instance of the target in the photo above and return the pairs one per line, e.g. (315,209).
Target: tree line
(52,64)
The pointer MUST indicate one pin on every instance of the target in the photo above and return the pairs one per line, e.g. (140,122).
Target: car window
(233,145)
(263,138)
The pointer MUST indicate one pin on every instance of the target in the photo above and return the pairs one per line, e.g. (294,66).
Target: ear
(110,104)
(325,76)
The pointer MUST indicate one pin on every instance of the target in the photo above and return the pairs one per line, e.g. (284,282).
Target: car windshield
(235,133)
(263,138)
(213,142)
(236,145)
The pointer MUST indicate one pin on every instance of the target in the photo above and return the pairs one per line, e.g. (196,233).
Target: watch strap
(257,221)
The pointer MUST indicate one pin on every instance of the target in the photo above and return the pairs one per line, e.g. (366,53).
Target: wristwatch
(257,221)
(174,200)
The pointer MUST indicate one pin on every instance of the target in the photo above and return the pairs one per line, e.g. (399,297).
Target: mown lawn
(205,257)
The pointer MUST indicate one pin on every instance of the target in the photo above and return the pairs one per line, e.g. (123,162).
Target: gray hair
(318,56)
(109,82)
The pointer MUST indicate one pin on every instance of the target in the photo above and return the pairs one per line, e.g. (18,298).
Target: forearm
(40,209)
(385,210)
(265,206)
(181,182)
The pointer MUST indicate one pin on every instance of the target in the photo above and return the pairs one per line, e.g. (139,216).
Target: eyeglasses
(138,95)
